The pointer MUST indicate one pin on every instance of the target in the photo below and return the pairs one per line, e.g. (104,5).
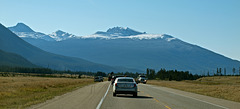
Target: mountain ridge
(120,31)
(21,27)
(60,35)
(111,33)
(10,42)
(140,51)
(14,60)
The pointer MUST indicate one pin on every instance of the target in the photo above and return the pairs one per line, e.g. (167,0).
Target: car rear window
(125,80)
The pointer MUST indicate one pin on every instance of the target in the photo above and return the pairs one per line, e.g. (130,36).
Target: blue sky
(212,24)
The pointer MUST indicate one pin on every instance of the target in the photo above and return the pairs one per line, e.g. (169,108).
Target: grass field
(21,92)
(224,87)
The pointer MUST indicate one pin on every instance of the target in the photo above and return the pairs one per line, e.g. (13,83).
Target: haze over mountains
(10,42)
(126,47)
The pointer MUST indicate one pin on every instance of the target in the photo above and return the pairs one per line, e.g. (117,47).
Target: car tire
(114,94)
(135,94)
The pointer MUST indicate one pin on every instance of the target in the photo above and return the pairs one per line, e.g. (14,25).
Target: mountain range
(126,47)
(25,31)
(11,43)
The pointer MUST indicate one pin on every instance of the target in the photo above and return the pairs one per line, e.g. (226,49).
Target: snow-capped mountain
(60,35)
(119,31)
(134,37)
(25,31)
(156,53)
(126,33)
(126,47)
(34,35)
(21,27)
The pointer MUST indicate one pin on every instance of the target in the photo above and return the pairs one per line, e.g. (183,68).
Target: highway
(99,96)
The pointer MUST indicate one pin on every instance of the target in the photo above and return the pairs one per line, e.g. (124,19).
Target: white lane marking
(191,98)
(100,103)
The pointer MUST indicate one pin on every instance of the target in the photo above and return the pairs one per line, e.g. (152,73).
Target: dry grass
(219,87)
(21,92)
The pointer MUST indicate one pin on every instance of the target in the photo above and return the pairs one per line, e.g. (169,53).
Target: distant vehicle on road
(110,76)
(125,85)
(141,79)
(98,79)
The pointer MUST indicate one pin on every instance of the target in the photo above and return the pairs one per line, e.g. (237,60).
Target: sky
(211,24)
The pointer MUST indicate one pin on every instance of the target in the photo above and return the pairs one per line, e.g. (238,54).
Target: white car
(98,79)
(141,79)
(125,85)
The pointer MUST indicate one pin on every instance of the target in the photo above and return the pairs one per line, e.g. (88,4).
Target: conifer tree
(234,70)
(225,71)
(147,72)
(220,71)
(239,71)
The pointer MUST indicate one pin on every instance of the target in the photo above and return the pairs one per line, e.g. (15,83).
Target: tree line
(223,72)
(41,71)
(150,73)
(171,75)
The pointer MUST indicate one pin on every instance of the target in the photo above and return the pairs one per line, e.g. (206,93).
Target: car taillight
(135,85)
(116,84)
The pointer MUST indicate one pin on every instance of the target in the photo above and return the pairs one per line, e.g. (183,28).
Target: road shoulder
(85,97)
(202,98)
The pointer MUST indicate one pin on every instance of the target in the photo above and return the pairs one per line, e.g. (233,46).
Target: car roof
(119,75)
(124,78)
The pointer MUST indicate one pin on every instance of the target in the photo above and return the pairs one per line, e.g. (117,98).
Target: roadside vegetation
(224,87)
(219,85)
(21,87)
(23,91)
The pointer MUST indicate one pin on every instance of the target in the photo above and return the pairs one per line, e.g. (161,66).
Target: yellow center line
(167,107)
(148,95)
(163,104)
(156,100)
(159,102)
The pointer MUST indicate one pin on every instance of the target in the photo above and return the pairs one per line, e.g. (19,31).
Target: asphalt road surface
(99,96)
